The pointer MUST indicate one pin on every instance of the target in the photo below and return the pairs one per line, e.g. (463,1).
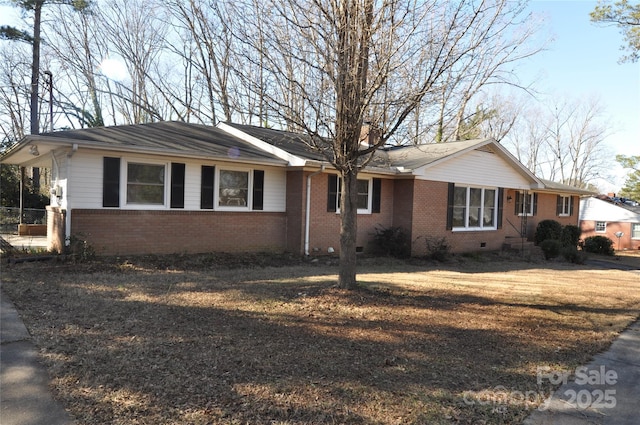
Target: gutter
(307,212)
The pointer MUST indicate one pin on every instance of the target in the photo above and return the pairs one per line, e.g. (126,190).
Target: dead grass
(129,342)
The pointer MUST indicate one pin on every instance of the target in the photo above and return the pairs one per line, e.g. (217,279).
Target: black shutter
(570,205)
(377,194)
(206,187)
(450,199)
(559,205)
(500,207)
(519,197)
(535,203)
(332,193)
(258,190)
(177,185)
(111,182)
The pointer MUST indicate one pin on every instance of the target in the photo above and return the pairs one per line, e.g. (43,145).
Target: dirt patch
(187,340)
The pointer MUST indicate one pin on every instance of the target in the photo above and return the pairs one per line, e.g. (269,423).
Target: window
(145,184)
(635,230)
(564,205)
(369,194)
(474,208)
(601,226)
(526,203)
(234,189)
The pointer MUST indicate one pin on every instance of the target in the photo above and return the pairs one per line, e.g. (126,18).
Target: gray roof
(416,156)
(560,187)
(294,143)
(166,137)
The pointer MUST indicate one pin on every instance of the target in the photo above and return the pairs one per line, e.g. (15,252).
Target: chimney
(369,135)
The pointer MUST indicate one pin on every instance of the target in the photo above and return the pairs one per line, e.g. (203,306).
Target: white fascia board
(293,160)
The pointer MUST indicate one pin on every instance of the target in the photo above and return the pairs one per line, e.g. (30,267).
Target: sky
(581,62)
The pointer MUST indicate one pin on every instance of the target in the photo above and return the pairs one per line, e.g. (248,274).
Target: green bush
(437,248)
(598,245)
(571,254)
(548,229)
(392,241)
(570,236)
(551,248)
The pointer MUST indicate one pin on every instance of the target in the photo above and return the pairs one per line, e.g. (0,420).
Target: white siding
(86,169)
(476,168)
(85,185)
(275,189)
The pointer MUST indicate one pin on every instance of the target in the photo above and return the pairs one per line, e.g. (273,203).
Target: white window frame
(566,206)
(530,201)
(604,230)
(369,195)
(125,184)
(635,230)
(218,180)
(481,226)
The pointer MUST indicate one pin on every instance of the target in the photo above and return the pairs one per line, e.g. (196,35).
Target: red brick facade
(588,228)
(418,206)
(114,232)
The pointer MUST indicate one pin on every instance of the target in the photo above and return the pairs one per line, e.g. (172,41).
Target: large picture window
(234,188)
(474,208)
(145,184)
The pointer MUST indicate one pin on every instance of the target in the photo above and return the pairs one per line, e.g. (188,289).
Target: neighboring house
(173,187)
(606,216)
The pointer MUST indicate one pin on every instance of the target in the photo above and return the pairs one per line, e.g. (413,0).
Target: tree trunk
(348,228)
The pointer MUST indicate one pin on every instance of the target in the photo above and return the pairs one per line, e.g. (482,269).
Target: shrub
(571,254)
(598,245)
(79,249)
(570,236)
(392,241)
(437,248)
(551,248)
(548,229)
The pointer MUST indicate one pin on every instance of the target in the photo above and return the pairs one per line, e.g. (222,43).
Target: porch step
(519,245)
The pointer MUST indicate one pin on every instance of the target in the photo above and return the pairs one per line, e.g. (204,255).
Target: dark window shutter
(206,187)
(450,191)
(519,197)
(332,193)
(571,205)
(559,205)
(177,185)
(258,189)
(500,207)
(377,195)
(535,203)
(111,182)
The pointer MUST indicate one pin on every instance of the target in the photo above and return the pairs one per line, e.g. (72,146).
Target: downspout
(307,212)
(67,224)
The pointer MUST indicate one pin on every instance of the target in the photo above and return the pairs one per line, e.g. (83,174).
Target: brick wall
(55,229)
(113,232)
(588,228)
(325,225)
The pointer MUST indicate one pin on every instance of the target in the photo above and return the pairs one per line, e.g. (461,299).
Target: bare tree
(344,62)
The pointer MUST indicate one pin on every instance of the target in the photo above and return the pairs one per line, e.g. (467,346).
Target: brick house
(172,187)
(608,216)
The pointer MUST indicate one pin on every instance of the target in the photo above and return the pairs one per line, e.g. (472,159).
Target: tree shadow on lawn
(311,354)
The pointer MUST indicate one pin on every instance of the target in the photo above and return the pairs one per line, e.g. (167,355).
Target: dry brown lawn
(164,341)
